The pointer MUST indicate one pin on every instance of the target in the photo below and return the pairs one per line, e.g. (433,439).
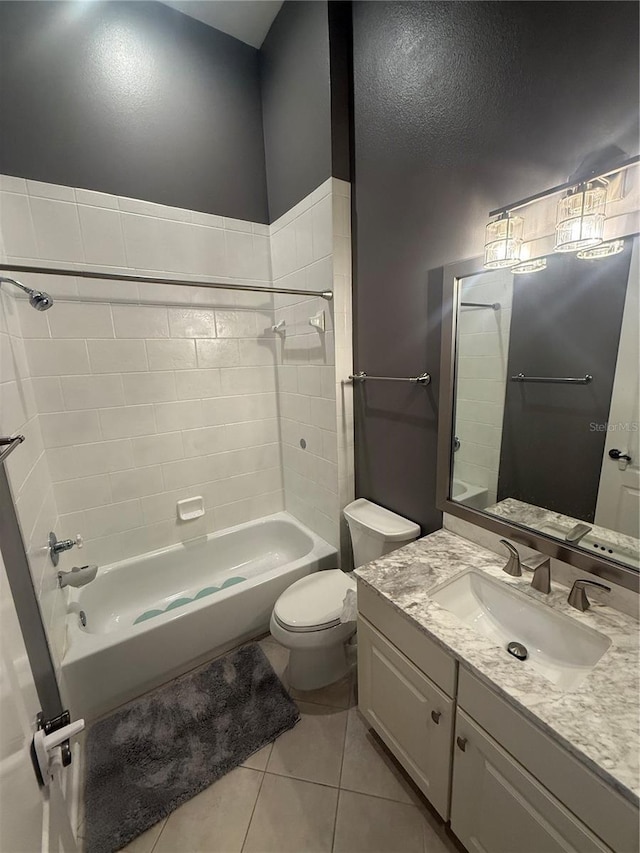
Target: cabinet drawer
(609,815)
(423,652)
(497,807)
(412,716)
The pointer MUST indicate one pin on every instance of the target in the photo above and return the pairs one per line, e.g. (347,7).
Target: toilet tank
(376,531)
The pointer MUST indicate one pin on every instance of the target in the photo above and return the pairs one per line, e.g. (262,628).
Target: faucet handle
(578,595)
(512,566)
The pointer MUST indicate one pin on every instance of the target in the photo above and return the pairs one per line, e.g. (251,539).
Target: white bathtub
(469,494)
(152,617)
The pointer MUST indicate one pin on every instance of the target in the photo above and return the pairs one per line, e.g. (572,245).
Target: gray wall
(132,98)
(565,321)
(296,103)
(460,108)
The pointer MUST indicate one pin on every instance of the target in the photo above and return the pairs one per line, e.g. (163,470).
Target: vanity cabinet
(497,806)
(505,784)
(412,715)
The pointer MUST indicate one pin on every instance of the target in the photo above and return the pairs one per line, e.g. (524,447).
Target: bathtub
(152,617)
(469,494)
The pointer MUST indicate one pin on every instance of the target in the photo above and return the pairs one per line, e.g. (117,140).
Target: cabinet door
(412,716)
(497,807)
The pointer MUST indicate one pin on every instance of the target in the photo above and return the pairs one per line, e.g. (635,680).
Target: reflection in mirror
(547,401)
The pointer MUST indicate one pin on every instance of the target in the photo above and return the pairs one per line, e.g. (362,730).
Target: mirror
(546,400)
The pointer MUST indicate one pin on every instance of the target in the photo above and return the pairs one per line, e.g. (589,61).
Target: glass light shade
(580,219)
(503,239)
(604,250)
(534,265)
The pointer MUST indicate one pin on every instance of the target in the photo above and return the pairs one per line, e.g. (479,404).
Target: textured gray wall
(459,108)
(132,98)
(296,103)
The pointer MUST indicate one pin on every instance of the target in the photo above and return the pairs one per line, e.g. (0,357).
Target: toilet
(306,617)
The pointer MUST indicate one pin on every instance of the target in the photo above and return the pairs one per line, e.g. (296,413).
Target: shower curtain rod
(147,279)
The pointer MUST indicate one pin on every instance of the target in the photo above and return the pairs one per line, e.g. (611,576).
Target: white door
(32,818)
(618,506)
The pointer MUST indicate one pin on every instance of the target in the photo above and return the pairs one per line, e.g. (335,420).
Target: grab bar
(494,305)
(423,379)
(558,380)
(9,443)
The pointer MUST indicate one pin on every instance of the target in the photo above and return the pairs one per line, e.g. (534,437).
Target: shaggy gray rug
(157,752)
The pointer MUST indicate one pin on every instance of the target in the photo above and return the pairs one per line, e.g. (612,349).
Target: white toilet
(306,617)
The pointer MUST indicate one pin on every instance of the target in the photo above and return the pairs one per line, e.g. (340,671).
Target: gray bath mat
(157,752)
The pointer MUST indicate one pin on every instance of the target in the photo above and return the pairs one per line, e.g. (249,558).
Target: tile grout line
(253,810)
(344,746)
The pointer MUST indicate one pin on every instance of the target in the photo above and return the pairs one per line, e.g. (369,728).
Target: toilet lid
(313,602)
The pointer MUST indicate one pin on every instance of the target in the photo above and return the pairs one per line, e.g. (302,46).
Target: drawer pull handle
(462,743)
(435,716)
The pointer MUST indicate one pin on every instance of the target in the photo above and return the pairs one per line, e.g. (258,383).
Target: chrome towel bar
(423,379)
(557,380)
(8,444)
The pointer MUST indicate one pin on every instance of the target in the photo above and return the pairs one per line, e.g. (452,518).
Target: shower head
(38,299)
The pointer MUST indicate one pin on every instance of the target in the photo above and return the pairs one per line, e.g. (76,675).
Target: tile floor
(326,786)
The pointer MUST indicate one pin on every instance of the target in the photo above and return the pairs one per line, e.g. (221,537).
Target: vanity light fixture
(580,217)
(604,250)
(503,240)
(534,265)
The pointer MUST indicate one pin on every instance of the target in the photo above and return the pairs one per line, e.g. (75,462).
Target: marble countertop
(598,721)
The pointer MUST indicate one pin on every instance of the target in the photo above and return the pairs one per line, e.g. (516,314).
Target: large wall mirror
(540,430)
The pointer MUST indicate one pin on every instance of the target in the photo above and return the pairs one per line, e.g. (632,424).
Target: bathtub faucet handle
(56,547)
(78,576)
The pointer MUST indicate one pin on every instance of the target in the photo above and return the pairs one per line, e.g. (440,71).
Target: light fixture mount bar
(567,185)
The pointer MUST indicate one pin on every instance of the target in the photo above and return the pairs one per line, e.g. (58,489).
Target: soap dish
(190,508)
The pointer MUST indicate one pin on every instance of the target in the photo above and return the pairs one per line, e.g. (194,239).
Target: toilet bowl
(306,617)
(306,620)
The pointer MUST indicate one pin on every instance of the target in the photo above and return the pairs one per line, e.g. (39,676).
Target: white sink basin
(558,647)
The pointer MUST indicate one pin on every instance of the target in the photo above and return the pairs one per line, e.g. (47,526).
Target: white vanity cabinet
(406,689)
(505,784)
(497,807)
(410,713)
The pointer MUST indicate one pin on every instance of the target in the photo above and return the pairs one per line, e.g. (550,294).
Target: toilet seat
(313,603)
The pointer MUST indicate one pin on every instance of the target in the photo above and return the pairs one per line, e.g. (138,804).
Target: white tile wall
(311,251)
(136,396)
(127,379)
(483,350)
(28,471)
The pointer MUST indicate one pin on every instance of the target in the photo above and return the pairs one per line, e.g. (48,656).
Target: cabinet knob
(435,716)
(462,743)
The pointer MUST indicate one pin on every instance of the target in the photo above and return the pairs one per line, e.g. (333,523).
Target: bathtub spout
(78,576)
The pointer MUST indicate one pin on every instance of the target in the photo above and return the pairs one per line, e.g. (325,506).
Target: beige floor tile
(312,750)
(144,843)
(367,766)
(338,695)
(371,825)
(277,656)
(259,759)
(216,820)
(292,817)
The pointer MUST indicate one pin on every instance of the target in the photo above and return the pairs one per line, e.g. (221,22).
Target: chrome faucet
(577,533)
(578,595)
(56,547)
(539,565)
